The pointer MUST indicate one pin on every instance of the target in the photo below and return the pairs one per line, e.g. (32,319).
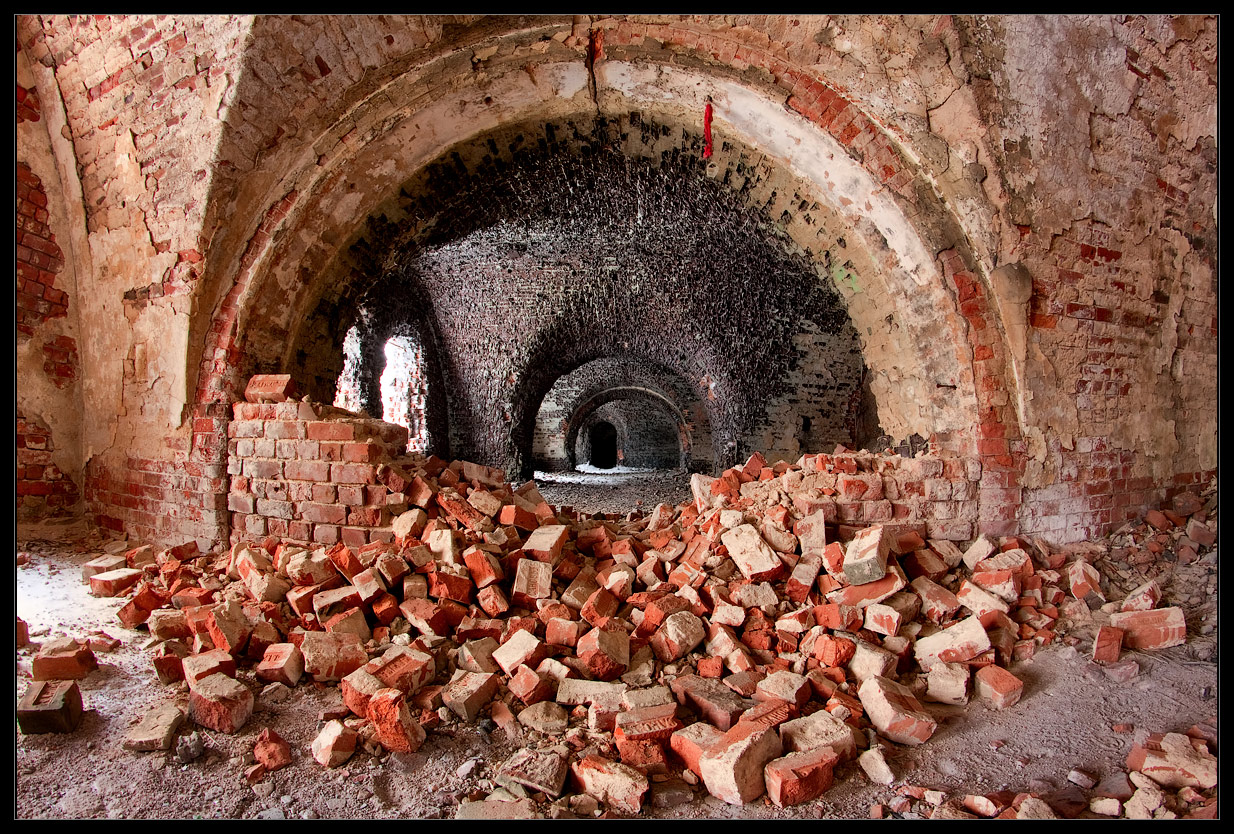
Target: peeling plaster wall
(48,363)
(207,164)
(1107,142)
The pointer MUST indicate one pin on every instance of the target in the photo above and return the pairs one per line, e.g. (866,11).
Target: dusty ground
(1063,722)
(616,490)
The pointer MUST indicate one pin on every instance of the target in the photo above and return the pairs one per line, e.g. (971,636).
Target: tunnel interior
(602,438)
(505,275)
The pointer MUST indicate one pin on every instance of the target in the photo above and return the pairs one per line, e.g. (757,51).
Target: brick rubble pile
(745,642)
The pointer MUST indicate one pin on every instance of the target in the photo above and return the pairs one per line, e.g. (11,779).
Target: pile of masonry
(743,641)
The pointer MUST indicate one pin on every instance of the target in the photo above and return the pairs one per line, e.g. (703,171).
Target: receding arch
(656,402)
(603,443)
(904,266)
(893,243)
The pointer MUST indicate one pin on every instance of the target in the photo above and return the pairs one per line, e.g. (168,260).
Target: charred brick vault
(537,241)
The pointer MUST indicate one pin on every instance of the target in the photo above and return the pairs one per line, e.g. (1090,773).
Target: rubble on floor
(744,643)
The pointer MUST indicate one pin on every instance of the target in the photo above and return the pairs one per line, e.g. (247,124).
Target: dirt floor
(1064,722)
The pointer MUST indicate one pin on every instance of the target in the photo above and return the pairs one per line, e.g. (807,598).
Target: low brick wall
(311,473)
(319,475)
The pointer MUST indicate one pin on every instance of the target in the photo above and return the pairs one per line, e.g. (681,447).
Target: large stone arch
(921,308)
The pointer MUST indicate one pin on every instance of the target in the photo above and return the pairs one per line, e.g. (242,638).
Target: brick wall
(42,488)
(316,474)
(38,257)
(158,501)
(937,496)
(168,116)
(312,473)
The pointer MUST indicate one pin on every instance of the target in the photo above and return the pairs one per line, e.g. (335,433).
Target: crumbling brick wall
(38,256)
(311,473)
(43,489)
(315,474)
(228,166)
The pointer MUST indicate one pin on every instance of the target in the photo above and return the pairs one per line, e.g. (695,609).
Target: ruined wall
(1018,213)
(47,361)
(310,473)
(143,102)
(1109,157)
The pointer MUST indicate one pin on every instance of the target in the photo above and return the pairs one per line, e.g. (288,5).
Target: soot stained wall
(543,248)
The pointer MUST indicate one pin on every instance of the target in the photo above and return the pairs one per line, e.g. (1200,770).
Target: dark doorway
(603,445)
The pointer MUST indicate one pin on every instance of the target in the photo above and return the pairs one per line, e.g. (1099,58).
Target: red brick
(1156,629)
(800,777)
(1108,644)
(269,388)
(998,686)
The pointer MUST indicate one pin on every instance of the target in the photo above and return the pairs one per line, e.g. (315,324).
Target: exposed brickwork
(311,474)
(158,501)
(1105,197)
(60,360)
(999,445)
(38,256)
(27,105)
(42,488)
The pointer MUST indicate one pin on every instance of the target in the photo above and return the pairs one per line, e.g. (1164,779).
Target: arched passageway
(795,292)
(604,445)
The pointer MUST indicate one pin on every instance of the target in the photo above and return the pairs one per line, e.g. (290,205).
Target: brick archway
(931,333)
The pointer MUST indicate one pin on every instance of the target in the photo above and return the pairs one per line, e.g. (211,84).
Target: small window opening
(404,391)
